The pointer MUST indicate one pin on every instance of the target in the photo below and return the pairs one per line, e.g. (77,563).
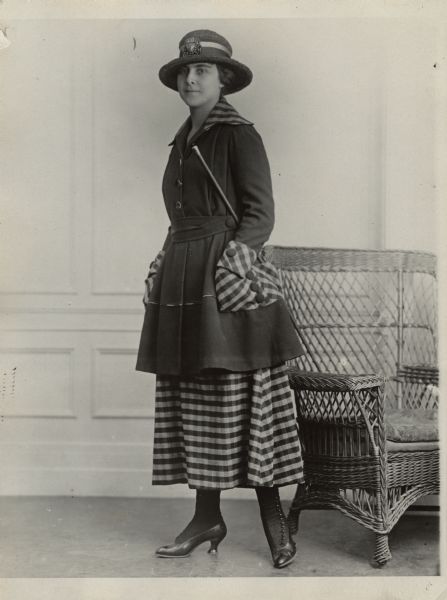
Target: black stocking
(207,514)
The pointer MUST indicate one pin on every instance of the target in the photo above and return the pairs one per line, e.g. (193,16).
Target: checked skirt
(225,430)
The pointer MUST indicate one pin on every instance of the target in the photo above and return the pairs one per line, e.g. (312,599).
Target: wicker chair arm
(331,382)
(419,386)
(418,374)
(354,402)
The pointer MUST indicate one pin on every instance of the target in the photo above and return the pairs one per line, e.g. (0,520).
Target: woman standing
(216,329)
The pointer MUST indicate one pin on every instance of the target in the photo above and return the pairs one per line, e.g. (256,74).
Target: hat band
(216,46)
(196,47)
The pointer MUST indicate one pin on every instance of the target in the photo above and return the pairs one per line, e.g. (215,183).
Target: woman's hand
(150,279)
(147,292)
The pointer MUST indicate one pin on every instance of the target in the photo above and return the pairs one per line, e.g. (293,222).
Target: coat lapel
(222,113)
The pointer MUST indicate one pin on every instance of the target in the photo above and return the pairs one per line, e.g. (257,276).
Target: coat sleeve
(251,172)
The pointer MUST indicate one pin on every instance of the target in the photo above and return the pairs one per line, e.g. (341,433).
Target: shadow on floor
(116,537)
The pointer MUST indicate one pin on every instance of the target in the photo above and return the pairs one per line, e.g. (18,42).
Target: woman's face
(199,85)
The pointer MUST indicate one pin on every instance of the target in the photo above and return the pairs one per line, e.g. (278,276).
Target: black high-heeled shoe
(214,535)
(276,528)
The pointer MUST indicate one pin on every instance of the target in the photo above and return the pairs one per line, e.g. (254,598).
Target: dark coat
(184,331)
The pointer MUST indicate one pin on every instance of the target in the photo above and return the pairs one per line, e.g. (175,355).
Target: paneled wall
(347,110)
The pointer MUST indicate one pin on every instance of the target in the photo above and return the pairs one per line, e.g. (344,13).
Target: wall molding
(71,310)
(113,321)
(117,413)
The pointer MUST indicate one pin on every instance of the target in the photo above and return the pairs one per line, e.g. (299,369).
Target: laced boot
(275,525)
(207,525)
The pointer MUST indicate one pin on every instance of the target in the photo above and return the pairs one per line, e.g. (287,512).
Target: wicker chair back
(363,311)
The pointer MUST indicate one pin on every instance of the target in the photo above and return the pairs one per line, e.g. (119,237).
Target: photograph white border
(333,588)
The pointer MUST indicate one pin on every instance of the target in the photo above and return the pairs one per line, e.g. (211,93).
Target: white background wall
(349,110)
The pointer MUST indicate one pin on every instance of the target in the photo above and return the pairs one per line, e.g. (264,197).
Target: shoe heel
(213,545)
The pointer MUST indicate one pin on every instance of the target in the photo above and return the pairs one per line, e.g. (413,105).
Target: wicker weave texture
(348,259)
(368,322)
(361,311)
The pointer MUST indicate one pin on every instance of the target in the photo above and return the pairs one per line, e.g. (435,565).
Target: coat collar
(223,112)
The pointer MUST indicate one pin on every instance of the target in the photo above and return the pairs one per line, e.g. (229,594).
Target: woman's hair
(226,77)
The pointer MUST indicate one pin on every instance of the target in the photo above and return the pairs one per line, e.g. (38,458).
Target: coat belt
(196,228)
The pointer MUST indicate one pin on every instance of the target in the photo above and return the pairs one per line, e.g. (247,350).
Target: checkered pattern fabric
(226,430)
(245,281)
(224,112)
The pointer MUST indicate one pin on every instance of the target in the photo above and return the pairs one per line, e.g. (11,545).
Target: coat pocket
(245,281)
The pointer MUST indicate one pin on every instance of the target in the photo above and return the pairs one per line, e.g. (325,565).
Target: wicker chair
(368,322)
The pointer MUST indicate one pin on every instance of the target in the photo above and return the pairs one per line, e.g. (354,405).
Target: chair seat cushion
(412,425)
(411,446)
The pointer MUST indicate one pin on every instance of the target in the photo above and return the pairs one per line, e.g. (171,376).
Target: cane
(216,183)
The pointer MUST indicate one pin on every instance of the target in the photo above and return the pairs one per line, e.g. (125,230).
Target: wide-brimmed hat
(203,45)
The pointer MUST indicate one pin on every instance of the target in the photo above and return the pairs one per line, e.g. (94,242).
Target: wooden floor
(116,537)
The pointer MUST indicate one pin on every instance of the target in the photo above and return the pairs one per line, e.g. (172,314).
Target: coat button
(178,204)
(229,222)
(179,182)
(254,287)
(259,298)
(231,252)
(250,275)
